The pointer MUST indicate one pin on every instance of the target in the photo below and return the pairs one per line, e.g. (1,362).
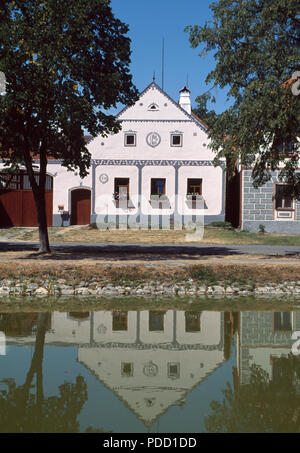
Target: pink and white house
(157,164)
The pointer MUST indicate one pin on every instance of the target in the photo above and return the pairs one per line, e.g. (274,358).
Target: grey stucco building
(264,337)
(267,206)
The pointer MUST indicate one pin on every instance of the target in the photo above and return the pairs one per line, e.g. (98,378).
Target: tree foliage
(202,111)
(65,64)
(256,48)
(54,414)
(262,405)
(24,410)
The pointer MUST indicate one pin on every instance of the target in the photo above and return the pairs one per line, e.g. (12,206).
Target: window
(79,315)
(288,149)
(158,186)
(281,374)
(174,370)
(119,320)
(282,199)
(127,369)
(176,139)
(153,107)
(130,139)
(194,186)
(192,321)
(283,203)
(282,321)
(121,189)
(156,321)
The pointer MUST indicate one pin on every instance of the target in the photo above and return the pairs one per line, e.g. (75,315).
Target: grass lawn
(77,268)
(212,235)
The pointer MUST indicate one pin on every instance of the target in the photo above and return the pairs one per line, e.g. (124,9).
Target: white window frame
(123,374)
(129,134)
(176,134)
(172,375)
(280,213)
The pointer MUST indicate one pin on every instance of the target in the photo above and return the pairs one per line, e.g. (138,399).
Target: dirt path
(67,258)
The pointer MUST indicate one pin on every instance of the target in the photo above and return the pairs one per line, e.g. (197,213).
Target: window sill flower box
(193,197)
(194,200)
(122,201)
(159,202)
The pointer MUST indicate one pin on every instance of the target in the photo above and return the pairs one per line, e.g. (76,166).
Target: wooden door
(80,207)
(11,208)
(17,208)
(17,204)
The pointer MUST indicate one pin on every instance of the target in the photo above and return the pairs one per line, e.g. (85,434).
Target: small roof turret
(184,89)
(185,100)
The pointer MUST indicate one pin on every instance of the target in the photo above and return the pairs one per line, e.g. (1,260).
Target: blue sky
(152,20)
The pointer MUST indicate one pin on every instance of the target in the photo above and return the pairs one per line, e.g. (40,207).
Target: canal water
(151,371)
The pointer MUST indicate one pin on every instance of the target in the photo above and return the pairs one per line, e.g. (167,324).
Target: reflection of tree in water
(263,405)
(231,320)
(24,411)
(19,324)
(56,414)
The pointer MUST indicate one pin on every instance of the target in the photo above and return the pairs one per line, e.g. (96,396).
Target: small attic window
(153,107)
(176,139)
(130,139)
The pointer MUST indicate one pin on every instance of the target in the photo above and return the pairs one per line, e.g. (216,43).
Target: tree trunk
(39,197)
(42,219)
(37,359)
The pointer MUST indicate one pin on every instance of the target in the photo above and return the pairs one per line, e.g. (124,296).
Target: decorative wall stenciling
(154,162)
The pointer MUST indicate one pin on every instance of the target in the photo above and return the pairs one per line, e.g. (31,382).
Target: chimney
(185,100)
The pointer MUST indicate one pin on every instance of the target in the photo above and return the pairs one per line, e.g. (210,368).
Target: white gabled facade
(161,148)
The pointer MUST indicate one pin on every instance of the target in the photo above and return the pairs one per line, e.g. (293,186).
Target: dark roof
(184,89)
(199,119)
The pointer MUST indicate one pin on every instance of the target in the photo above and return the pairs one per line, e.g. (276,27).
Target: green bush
(202,274)
(93,226)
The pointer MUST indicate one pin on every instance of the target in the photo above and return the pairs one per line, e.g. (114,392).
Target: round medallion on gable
(150,369)
(101,328)
(103,178)
(153,139)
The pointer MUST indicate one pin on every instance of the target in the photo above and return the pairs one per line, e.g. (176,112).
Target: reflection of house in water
(265,337)
(151,360)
